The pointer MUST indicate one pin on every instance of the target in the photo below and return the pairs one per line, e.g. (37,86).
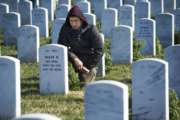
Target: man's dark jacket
(86,43)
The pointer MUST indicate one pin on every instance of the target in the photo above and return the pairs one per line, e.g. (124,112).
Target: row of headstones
(103,99)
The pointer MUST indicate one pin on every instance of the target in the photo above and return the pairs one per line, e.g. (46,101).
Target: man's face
(75,22)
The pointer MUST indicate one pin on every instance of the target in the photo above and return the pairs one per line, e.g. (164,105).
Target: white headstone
(13,4)
(25,10)
(172,56)
(91,18)
(4,8)
(157,7)
(37,116)
(143,10)
(106,100)
(36,3)
(10,93)
(53,69)
(165,29)
(98,7)
(40,19)
(146,32)
(28,43)
(68,2)
(85,6)
(62,11)
(150,90)
(122,45)
(56,28)
(101,69)
(109,21)
(177,19)
(11,22)
(114,3)
(126,15)
(131,2)
(169,5)
(177,4)
(48,4)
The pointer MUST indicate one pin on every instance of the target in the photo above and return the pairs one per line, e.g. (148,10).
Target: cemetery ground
(71,107)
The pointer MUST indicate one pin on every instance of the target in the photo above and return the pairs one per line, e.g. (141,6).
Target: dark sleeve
(63,41)
(97,45)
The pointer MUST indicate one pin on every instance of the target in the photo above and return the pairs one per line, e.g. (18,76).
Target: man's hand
(78,64)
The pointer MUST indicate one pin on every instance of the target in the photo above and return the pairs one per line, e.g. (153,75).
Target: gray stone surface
(98,7)
(4,8)
(172,56)
(11,22)
(126,15)
(157,7)
(146,32)
(106,100)
(68,2)
(28,43)
(25,10)
(108,24)
(40,19)
(62,11)
(130,2)
(85,6)
(177,19)
(91,18)
(48,4)
(101,69)
(150,90)
(37,116)
(165,29)
(53,69)
(56,28)
(10,93)
(13,4)
(169,5)
(143,10)
(122,45)
(114,3)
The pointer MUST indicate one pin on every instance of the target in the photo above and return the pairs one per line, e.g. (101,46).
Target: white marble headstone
(11,22)
(106,100)
(40,19)
(172,56)
(165,29)
(126,15)
(56,28)
(114,3)
(150,90)
(25,10)
(48,4)
(143,10)
(13,4)
(130,2)
(169,5)
(101,69)
(28,43)
(146,32)
(62,11)
(91,18)
(157,7)
(122,45)
(98,7)
(4,8)
(109,21)
(85,6)
(53,69)
(177,19)
(10,93)
(37,116)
